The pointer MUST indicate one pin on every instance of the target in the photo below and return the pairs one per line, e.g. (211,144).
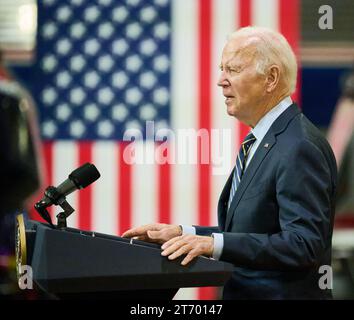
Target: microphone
(78,179)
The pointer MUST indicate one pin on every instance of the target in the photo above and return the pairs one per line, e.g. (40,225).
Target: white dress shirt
(259,131)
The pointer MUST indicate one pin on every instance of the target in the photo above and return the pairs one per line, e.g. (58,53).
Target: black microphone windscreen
(84,175)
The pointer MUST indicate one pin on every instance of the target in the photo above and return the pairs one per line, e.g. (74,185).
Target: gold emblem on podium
(20,243)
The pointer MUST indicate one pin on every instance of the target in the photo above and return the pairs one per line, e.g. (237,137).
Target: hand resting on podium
(156,232)
(174,243)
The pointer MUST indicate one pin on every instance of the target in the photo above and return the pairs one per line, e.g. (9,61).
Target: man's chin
(233,112)
(230,109)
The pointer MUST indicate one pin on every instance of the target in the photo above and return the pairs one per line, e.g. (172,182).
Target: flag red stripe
(289,24)
(244,11)
(243,131)
(244,16)
(125,191)
(205,22)
(164,186)
(48,162)
(204,106)
(85,195)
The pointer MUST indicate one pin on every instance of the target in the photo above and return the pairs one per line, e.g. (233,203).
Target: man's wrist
(180,230)
(212,246)
(218,245)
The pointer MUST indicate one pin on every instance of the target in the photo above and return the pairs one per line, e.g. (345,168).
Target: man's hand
(190,245)
(157,232)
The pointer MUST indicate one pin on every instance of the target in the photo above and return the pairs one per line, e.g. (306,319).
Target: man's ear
(273,77)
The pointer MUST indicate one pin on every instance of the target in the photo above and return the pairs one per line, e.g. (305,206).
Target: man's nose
(222,82)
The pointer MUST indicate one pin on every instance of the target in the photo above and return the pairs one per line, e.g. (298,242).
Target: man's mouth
(228,98)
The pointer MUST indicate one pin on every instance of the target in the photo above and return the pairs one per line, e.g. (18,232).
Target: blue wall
(321,89)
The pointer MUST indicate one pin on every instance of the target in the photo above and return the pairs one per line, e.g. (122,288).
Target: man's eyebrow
(230,64)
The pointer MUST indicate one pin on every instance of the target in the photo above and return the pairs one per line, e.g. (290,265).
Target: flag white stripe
(265,13)
(65,160)
(144,186)
(184,106)
(105,193)
(224,23)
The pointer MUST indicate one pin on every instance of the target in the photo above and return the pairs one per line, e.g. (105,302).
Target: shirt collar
(263,125)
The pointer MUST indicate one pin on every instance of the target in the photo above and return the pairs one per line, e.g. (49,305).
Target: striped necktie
(240,164)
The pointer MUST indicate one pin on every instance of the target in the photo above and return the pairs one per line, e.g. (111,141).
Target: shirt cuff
(188,229)
(218,245)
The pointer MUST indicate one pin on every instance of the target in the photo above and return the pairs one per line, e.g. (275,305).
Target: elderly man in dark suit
(275,213)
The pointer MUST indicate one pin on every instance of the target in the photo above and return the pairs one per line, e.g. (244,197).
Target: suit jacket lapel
(251,170)
(264,147)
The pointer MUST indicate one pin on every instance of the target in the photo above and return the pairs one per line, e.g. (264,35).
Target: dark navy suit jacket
(278,230)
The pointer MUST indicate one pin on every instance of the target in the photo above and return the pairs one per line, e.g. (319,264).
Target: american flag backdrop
(104,66)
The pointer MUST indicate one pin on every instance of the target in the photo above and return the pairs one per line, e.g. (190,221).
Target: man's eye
(237,70)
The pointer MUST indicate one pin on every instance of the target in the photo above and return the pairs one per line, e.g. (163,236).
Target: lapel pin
(266,145)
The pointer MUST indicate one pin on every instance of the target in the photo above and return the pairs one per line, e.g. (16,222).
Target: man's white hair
(272,48)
